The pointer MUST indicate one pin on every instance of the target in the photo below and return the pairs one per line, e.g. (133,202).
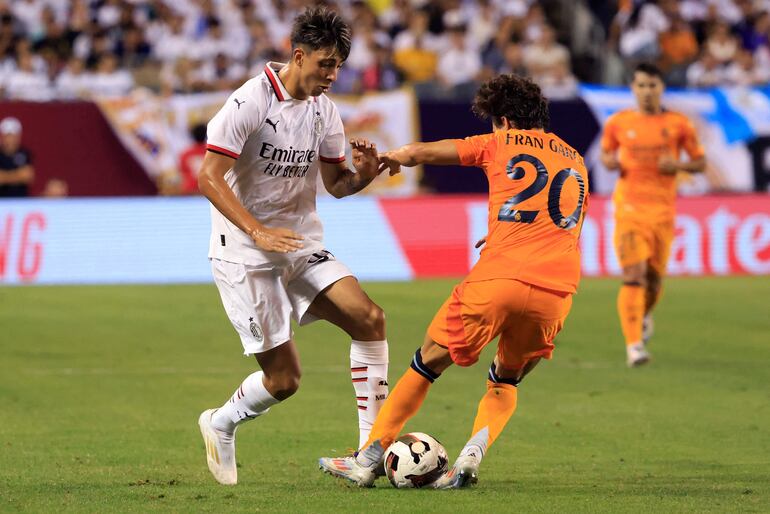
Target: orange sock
(651,297)
(403,402)
(495,409)
(631,300)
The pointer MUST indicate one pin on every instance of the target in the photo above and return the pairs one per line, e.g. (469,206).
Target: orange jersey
(538,191)
(641,140)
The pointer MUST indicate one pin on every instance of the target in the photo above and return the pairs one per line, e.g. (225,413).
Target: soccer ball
(415,460)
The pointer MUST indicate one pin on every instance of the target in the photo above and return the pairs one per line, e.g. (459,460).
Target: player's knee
(373,322)
(284,385)
(635,275)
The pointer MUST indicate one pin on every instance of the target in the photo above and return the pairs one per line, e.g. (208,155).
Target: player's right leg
(633,251)
(404,401)
(259,310)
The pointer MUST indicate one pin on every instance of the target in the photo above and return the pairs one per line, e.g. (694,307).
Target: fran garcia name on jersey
(286,162)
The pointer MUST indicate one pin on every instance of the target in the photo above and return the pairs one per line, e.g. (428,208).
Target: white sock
(250,400)
(369,372)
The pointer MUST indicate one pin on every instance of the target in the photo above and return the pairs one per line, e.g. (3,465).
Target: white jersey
(276,142)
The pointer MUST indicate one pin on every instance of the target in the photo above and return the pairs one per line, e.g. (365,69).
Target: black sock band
(422,369)
(498,380)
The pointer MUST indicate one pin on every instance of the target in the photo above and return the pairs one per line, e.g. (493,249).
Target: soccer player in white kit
(266,147)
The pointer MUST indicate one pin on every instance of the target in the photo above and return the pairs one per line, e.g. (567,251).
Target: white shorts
(261,300)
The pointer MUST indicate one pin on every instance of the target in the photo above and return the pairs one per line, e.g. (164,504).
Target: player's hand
(481,242)
(667,165)
(365,157)
(388,161)
(281,240)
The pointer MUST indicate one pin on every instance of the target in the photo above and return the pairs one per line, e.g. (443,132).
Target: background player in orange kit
(645,145)
(521,288)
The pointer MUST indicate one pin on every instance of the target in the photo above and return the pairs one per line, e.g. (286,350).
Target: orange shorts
(637,242)
(527,319)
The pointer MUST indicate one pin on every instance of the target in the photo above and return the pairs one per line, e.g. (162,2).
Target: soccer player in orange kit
(521,288)
(645,145)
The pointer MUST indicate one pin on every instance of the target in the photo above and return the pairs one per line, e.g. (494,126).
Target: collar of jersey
(271,70)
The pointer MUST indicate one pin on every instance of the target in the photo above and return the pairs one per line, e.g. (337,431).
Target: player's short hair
(513,97)
(319,27)
(648,68)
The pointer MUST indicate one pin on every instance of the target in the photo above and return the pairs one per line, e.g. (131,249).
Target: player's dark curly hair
(513,97)
(319,27)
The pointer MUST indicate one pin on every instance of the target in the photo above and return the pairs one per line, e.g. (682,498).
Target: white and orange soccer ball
(415,460)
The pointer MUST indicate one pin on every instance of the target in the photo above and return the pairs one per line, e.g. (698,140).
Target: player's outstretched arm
(436,152)
(211,182)
(340,181)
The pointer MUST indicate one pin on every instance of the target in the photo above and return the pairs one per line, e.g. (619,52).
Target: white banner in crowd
(156,130)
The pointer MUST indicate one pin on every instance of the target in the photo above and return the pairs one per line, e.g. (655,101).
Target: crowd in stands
(69,49)
(698,43)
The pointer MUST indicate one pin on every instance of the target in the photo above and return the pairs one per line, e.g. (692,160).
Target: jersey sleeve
(229,129)
(332,147)
(690,141)
(472,150)
(609,135)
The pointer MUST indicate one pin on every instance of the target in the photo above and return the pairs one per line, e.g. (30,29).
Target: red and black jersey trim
(273,78)
(222,151)
(333,160)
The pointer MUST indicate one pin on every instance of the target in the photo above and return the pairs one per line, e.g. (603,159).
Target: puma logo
(239,103)
(273,124)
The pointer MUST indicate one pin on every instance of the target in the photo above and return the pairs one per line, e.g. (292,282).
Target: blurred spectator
(513,59)
(493,55)
(721,44)
(743,71)
(26,83)
(191,159)
(559,83)
(639,30)
(56,188)
(132,50)
(678,48)
(16,171)
(484,24)
(756,33)
(173,43)
(705,72)
(381,75)
(73,81)
(219,74)
(416,50)
(544,57)
(459,66)
(109,81)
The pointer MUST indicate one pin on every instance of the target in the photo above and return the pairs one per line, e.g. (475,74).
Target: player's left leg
(663,236)
(324,288)
(652,295)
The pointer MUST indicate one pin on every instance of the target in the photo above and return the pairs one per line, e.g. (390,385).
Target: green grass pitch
(101,387)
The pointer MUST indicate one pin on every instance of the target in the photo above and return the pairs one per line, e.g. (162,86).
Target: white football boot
(361,469)
(648,328)
(463,473)
(637,355)
(220,450)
